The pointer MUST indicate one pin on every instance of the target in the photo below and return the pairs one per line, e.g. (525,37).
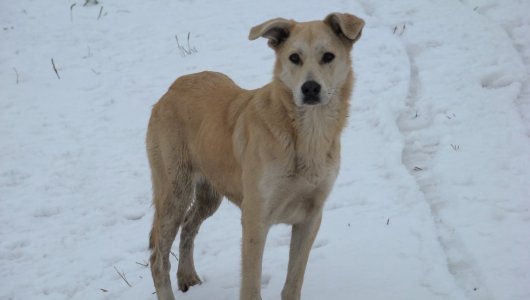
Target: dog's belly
(293,212)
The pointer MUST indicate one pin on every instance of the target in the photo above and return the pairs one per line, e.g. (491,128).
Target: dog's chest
(293,198)
(310,171)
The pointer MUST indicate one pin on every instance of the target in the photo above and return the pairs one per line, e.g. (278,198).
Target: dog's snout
(311,88)
(311,91)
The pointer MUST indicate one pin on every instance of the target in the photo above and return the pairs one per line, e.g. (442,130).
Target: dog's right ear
(276,30)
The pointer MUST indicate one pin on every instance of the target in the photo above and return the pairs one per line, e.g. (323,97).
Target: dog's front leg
(254,236)
(303,236)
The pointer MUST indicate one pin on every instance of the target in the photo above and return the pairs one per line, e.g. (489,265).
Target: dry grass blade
(16,72)
(101,13)
(72,12)
(122,275)
(145,264)
(55,69)
(183,50)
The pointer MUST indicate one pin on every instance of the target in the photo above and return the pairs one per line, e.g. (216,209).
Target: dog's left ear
(346,26)
(276,30)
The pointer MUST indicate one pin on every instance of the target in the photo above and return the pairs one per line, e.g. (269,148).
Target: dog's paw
(187,281)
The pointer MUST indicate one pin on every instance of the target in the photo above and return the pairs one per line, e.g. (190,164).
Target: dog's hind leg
(172,179)
(207,200)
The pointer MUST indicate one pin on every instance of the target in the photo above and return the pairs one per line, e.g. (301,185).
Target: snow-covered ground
(433,197)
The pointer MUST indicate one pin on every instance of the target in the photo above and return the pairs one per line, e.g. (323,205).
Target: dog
(273,151)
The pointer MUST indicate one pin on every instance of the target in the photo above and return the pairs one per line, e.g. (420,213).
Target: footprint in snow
(496,79)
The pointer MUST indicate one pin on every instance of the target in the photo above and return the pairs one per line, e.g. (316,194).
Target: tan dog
(273,151)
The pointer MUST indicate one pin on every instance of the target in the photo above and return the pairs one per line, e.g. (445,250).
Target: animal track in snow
(134,215)
(496,79)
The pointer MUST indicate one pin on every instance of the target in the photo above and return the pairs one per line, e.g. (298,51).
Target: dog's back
(193,124)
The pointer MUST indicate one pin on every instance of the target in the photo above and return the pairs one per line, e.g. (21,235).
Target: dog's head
(312,58)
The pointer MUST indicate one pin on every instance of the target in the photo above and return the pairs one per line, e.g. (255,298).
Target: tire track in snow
(417,153)
(517,29)
(419,148)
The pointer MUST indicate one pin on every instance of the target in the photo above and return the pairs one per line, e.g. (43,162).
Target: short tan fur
(273,151)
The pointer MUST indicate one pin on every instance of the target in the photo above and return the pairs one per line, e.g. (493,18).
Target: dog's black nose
(311,91)
(311,88)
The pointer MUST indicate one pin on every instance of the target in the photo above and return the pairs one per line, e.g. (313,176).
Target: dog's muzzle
(311,92)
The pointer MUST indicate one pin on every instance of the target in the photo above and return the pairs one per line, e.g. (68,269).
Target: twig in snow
(145,264)
(72,12)
(16,72)
(417,169)
(174,256)
(387,221)
(91,2)
(189,48)
(122,275)
(455,147)
(401,31)
(55,69)
(95,72)
(185,51)
(104,290)
(100,12)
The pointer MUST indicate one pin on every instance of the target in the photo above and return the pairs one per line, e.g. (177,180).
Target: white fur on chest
(291,199)
(298,186)
(314,142)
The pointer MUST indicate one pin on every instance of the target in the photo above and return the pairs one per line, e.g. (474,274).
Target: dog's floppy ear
(346,26)
(276,30)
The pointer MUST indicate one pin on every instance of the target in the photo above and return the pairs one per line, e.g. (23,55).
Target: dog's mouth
(311,100)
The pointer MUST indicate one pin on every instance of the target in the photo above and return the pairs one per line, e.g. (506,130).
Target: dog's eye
(327,57)
(295,58)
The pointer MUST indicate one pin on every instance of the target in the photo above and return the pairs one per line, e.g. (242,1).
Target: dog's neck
(316,129)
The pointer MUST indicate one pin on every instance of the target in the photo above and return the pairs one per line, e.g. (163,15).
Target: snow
(433,197)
